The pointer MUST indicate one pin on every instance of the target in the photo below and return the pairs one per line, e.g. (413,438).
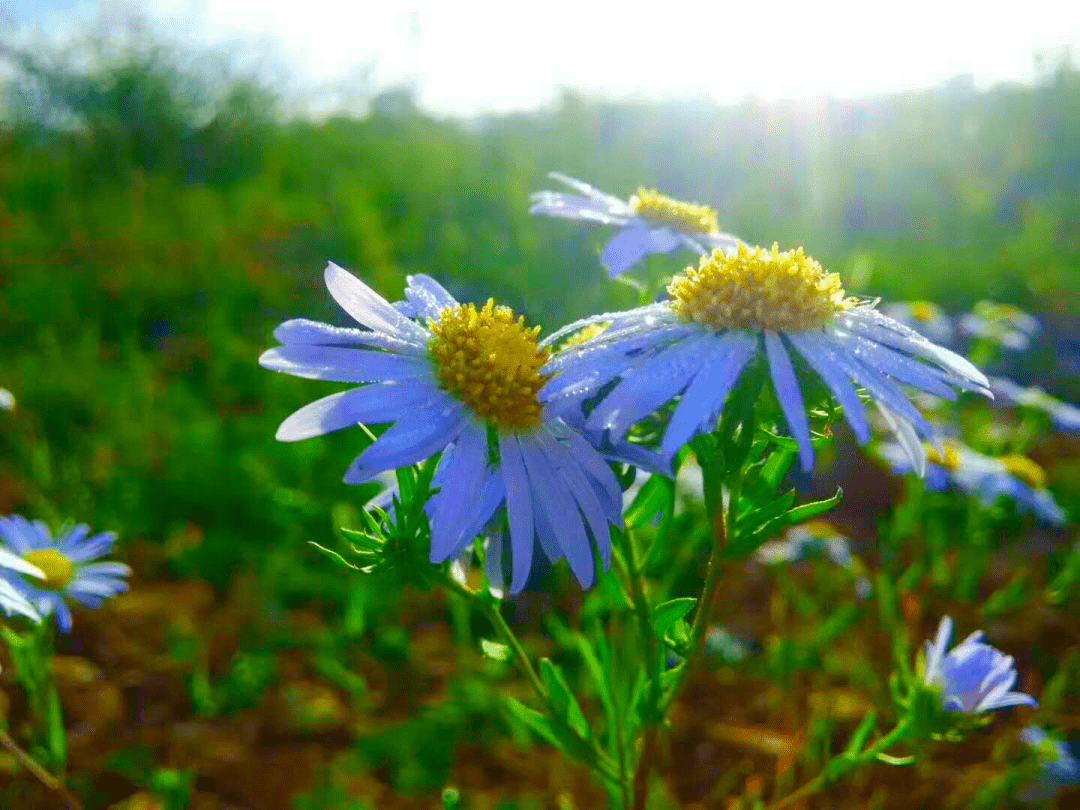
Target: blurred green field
(152,235)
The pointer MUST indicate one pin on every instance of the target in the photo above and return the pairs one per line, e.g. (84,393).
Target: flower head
(973,676)
(65,563)
(7,400)
(12,602)
(812,537)
(463,382)
(985,477)
(1003,324)
(1064,416)
(731,309)
(649,222)
(1059,767)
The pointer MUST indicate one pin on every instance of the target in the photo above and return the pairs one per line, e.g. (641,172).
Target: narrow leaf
(665,615)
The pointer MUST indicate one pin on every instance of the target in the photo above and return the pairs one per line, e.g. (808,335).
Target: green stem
(723,524)
(603,763)
(644,616)
(841,764)
(39,773)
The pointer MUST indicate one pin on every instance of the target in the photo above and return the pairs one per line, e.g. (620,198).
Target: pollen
(586,334)
(923,311)
(1026,470)
(758,289)
(488,359)
(951,460)
(57,568)
(651,203)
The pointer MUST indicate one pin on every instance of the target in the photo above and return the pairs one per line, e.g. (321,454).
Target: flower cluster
(524,428)
(986,478)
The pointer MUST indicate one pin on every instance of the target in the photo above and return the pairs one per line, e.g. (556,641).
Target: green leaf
(777,466)
(665,615)
(680,633)
(596,671)
(754,518)
(493,649)
(562,699)
(537,722)
(811,510)
(745,545)
(655,497)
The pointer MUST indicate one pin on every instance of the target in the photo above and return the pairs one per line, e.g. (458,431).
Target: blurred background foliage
(161,214)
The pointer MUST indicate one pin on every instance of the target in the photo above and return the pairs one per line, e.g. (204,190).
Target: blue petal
(10,561)
(313,333)
(569,206)
(787,392)
(704,397)
(886,392)
(649,385)
(462,482)
(595,466)
(903,368)
(621,324)
(61,613)
(808,345)
(560,510)
(883,329)
(1007,700)
(427,296)
(492,496)
(70,539)
(97,546)
(583,493)
(337,364)
(367,307)
(374,404)
(519,509)
(100,570)
(724,241)
(413,438)
(633,243)
(589,191)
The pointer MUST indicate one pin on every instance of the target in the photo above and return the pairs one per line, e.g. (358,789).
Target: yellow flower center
(758,289)
(820,528)
(491,362)
(56,567)
(951,460)
(586,334)
(923,311)
(1026,470)
(997,312)
(649,202)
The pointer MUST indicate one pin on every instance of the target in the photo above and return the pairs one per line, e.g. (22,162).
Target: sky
(469,57)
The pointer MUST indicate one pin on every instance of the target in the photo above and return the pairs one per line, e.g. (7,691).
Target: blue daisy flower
(727,311)
(66,562)
(1064,416)
(1003,324)
(973,676)
(462,382)
(13,602)
(649,222)
(986,478)
(1059,766)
